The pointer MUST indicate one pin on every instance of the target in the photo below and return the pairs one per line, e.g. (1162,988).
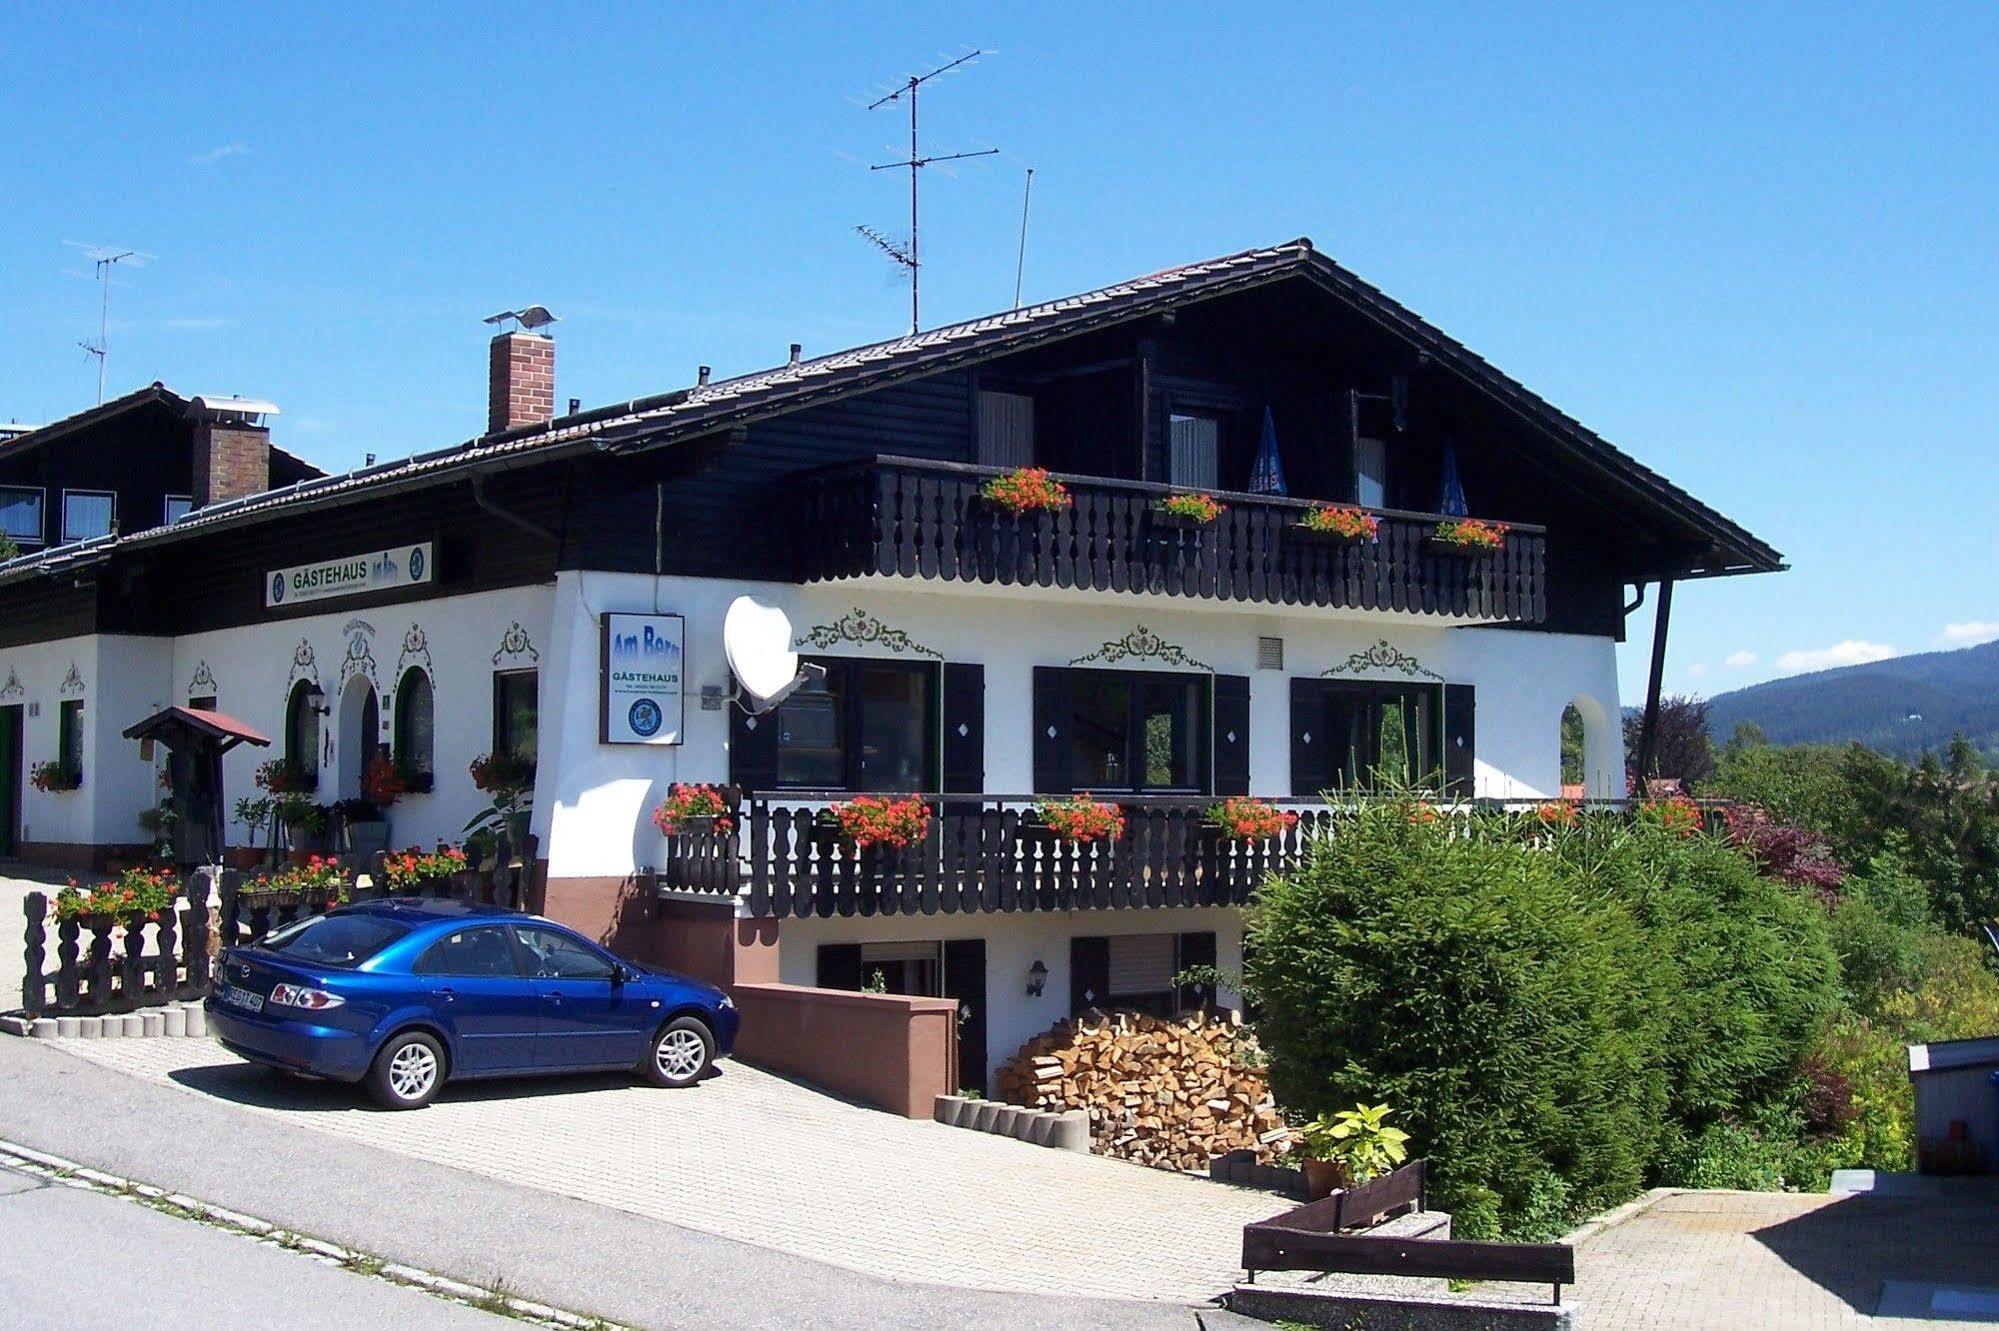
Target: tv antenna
(105,257)
(907,255)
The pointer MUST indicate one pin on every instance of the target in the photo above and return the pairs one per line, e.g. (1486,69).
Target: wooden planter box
(1437,545)
(1160,517)
(1318,537)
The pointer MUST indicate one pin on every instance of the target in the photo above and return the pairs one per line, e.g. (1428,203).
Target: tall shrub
(1509,1016)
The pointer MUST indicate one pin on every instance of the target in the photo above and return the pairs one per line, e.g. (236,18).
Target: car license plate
(242,998)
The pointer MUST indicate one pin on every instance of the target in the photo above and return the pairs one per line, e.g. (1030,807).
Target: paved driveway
(16,881)
(753,1157)
(1699,1260)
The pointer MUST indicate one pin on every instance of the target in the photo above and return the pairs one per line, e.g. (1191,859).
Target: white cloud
(1697,670)
(1969,634)
(218,153)
(1740,660)
(1854,651)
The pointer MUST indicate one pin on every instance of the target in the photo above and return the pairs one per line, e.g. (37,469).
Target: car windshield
(344,941)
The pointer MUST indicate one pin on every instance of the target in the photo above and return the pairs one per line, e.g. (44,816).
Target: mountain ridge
(1900,706)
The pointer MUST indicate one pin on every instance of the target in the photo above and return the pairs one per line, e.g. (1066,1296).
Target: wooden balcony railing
(983,853)
(902,517)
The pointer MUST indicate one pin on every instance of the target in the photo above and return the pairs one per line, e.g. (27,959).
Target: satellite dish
(757,640)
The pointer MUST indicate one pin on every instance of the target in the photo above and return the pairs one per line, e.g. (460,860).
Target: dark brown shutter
(965,980)
(1460,739)
(1196,950)
(964,729)
(840,966)
(1311,746)
(1231,734)
(752,749)
(1089,973)
(1054,773)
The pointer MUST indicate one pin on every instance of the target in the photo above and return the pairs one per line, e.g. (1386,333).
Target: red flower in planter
(1472,533)
(881,820)
(684,801)
(1026,490)
(1341,520)
(1082,818)
(1193,507)
(1244,819)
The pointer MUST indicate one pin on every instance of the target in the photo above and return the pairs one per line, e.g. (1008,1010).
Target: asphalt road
(67,1259)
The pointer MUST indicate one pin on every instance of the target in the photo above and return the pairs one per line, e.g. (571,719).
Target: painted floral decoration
(1193,507)
(1472,533)
(136,894)
(1342,520)
(685,801)
(1244,819)
(408,870)
(1026,490)
(881,820)
(1082,818)
(53,776)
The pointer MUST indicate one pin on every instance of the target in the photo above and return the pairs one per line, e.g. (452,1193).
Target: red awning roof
(161,725)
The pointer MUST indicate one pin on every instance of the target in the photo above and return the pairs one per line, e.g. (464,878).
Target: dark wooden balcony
(901,517)
(983,853)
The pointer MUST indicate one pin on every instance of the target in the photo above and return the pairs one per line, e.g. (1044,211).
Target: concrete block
(948,1109)
(131,1025)
(1071,1131)
(982,1114)
(197,1021)
(1009,1120)
(149,1023)
(44,1028)
(69,1028)
(1040,1127)
(90,1028)
(173,1021)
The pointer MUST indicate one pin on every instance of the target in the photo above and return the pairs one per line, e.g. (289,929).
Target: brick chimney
(520,389)
(232,458)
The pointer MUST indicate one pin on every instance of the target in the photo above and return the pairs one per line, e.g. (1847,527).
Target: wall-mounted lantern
(1037,979)
(315,698)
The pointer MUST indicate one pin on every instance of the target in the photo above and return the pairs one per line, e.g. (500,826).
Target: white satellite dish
(757,640)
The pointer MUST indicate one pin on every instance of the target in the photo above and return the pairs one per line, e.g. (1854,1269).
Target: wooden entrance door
(10,781)
(965,980)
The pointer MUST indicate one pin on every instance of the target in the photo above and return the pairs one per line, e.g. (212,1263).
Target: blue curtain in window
(1451,500)
(1267,477)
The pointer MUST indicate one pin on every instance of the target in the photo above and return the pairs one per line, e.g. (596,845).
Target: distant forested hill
(1901,706)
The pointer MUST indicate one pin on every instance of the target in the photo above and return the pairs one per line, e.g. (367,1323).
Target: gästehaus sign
(639,698)
(352,575)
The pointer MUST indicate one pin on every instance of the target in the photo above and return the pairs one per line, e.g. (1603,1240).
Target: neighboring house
(456,603)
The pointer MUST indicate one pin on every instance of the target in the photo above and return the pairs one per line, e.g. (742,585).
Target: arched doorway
(360,735)
(1592,751)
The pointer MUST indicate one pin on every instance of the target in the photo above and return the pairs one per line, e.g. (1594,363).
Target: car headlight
(727,1001)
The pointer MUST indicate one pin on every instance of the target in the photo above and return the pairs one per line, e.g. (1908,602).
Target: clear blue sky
(1755,248)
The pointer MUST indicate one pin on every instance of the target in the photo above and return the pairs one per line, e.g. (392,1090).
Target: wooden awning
(175,727)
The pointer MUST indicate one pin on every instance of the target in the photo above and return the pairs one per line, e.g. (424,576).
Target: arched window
(415,722)
(1575,732)
(302,728)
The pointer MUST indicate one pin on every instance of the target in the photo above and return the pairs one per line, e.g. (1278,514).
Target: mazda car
(404,995)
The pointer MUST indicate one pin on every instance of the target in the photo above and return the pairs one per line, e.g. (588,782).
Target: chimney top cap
(211,404)
(531,318)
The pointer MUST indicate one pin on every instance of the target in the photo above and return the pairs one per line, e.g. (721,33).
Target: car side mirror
(622,974)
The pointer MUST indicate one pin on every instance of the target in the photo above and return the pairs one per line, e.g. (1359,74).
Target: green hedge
(1554,1013)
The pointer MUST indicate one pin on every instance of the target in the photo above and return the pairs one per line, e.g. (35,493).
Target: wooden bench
(1314,1237)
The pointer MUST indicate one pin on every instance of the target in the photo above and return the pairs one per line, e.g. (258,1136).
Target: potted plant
(1467,536)
(509,779)
(303,822)
(1080,818)
(1341,524)
(692,808)
(868,821)
(282,776)
(1240,818)
(55,777)
(136,896)
(363,827)
(1187,510)
(1349,1148)
(255,815)
(1026,490)
(316,881)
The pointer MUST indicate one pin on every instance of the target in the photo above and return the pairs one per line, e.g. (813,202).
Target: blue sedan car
(406,994)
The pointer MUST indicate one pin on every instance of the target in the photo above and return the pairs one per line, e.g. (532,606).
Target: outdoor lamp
(1037,979)
(315,698)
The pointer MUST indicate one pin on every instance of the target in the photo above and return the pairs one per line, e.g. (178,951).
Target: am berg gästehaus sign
(640,696)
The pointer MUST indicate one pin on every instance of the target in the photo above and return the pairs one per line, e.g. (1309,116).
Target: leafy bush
(1560,1013)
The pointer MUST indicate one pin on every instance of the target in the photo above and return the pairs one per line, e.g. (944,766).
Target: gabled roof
(688,413)
(155,393)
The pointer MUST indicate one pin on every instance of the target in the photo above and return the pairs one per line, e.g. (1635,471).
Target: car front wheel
(407,1072)
(680,1053)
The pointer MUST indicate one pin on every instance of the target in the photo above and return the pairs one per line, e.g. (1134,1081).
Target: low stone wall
(888,1050)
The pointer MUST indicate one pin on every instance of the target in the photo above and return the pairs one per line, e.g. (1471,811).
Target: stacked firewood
(1171,1093)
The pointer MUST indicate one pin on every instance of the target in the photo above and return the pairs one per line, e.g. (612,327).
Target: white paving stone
(753,1157)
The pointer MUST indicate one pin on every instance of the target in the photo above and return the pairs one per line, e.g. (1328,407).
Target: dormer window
(1194,450)
(87,514)
(1006,429)
(176,508)
(1370,473)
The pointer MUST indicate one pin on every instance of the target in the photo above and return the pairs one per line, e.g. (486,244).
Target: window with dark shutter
(964,729)
(1196,949)
(1231,735)
(1121,730)
(1460,739)
(1311,768)
(1353,734)
(1089,973)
